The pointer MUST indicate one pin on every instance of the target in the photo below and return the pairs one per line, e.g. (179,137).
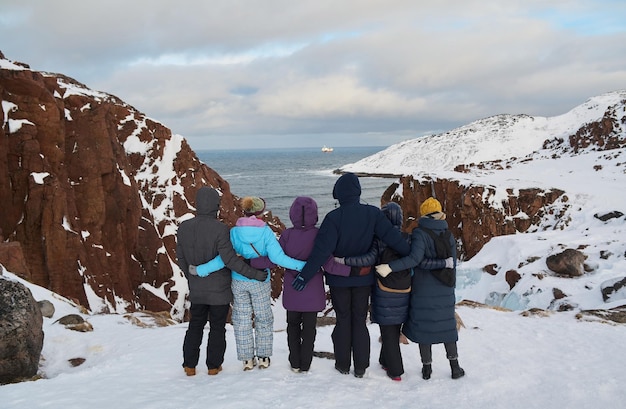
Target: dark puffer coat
(349,231)
(387,308)
(199,240)
(431,311)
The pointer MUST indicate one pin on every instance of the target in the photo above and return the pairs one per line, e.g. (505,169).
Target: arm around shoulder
(277,255)
(233,261)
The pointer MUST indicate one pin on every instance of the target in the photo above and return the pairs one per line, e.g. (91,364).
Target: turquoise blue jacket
(252,239)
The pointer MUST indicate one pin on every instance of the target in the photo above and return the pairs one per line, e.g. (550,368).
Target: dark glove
(298,283)
(360,271)
(261,275)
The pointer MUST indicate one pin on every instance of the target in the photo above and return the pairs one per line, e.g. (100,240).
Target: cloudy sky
(281,73)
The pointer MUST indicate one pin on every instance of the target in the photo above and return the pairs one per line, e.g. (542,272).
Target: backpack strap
(441,241)
(255,250)
(443,249)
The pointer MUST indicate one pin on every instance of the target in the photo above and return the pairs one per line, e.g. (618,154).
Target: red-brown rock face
(472,218)
(473,212)
(93,190)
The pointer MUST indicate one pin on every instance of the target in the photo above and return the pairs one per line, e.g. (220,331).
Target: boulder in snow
(21,332)
(569,263)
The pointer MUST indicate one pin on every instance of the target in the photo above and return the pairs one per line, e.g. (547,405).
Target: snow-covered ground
(511,362)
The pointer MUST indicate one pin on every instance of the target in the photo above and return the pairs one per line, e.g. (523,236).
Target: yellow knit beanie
(430,205)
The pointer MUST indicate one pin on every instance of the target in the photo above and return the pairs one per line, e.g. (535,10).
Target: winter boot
(457,371)
(189,371)
(215,371)
(264,362)
(248,364)
(427,370)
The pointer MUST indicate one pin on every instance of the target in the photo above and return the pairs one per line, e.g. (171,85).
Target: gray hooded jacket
(199,240)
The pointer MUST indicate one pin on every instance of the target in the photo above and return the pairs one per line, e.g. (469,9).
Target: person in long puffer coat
(431,313)
(390,294)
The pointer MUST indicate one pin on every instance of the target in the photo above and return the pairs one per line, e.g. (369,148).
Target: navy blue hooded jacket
(387,308)
(349,231)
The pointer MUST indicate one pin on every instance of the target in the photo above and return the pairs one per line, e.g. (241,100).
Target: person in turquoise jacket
(251,238)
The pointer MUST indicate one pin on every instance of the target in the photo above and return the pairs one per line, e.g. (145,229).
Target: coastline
(340,171)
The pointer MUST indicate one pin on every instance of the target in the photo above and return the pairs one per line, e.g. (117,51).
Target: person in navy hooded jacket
(349,231)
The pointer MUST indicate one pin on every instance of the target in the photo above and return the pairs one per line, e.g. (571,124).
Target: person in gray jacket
(199,240)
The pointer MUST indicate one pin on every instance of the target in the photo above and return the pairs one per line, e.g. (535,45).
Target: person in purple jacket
(302,307)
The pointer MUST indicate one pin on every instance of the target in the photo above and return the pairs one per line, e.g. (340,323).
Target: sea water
(280,175)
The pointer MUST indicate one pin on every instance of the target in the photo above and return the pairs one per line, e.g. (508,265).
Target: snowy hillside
(121,181)
(494,138)
(592,180)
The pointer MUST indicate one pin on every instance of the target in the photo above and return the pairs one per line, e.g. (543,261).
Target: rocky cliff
(470,213)
(93,190)
(477,212)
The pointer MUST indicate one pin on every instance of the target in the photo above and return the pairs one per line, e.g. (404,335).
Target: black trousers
(301,332)
(200,314)
(426,353)
(351,336)
(390,354)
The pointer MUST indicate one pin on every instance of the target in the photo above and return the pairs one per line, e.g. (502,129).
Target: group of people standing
(361,252)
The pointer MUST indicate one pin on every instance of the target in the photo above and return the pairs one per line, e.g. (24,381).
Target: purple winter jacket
(297,242)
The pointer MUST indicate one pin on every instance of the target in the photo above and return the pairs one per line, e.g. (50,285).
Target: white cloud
(215,68)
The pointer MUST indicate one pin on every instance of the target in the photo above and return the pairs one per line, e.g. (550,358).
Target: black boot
(427,369)
(457,371)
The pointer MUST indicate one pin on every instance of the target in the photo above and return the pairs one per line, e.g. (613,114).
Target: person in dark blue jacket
(431,312)
(390,294)
(349,231)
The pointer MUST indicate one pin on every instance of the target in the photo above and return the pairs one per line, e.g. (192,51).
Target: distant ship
(326,149)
